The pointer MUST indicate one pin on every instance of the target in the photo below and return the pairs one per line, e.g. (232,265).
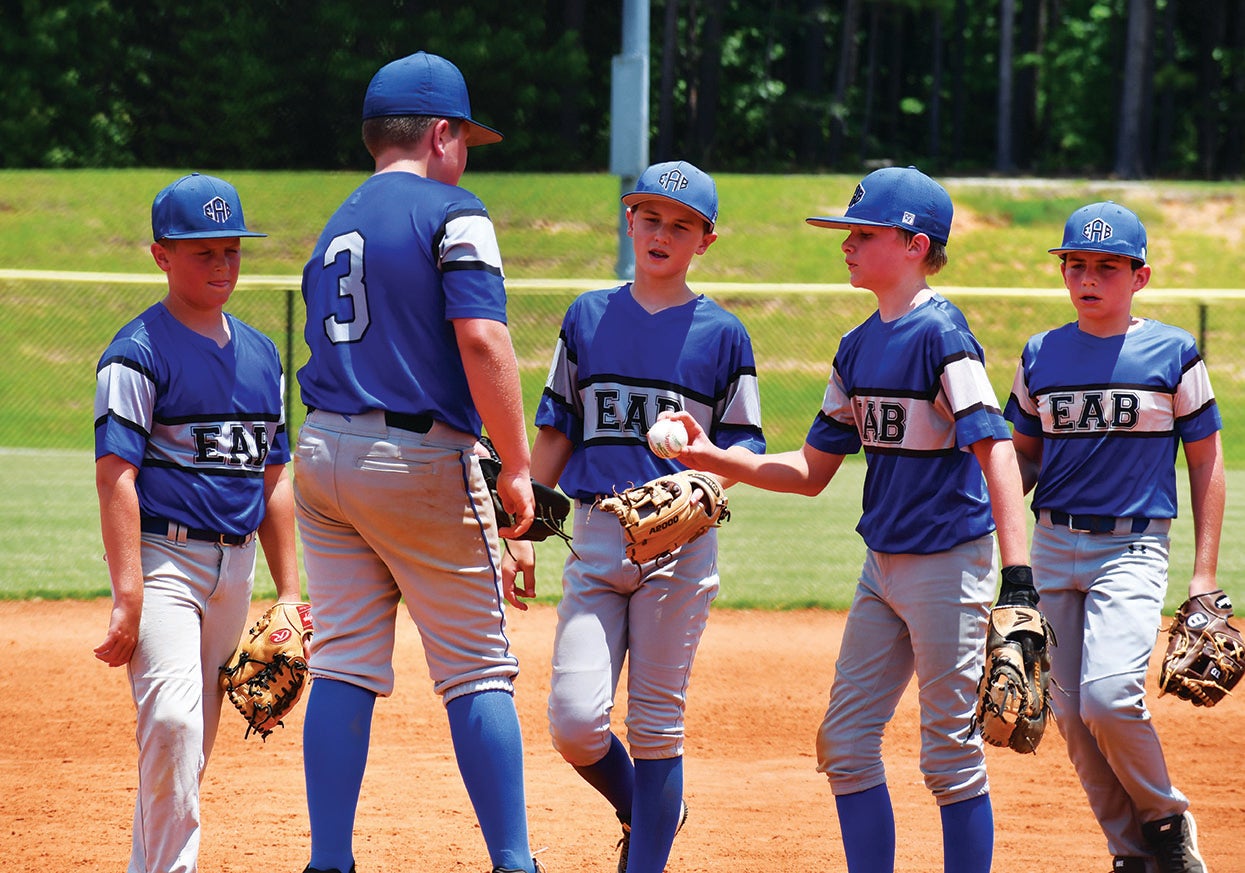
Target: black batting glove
(1017,588)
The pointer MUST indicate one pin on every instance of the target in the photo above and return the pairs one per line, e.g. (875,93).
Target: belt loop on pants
(1093,524)
(179,533)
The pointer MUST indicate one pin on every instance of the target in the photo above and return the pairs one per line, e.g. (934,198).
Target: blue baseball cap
(1105,227)
(198,207)
(680,182)
(897,197)
(424,84)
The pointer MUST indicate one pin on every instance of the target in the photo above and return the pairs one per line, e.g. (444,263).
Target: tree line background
(1128,88)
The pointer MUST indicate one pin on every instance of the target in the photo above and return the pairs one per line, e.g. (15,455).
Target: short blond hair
(935,258)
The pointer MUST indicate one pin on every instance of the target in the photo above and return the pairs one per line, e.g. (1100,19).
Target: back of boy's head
(901,197)
(1107,228)
(428,85)
(678,182)
(198,207)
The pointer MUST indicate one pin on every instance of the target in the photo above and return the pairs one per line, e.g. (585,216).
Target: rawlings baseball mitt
(667,512)
(1013,694)
(267,674)
(552,506)
(1205,655)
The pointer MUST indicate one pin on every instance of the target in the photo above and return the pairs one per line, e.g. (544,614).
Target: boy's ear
(919,245)
(706,241)
(161,255)
(1141,277)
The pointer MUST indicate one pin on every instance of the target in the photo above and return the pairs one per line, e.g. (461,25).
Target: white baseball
(667,438)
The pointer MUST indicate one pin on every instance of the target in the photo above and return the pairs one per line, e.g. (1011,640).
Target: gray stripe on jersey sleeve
(742,404)
(836,405)
(126,393)
(470,242)
(1194,392)
(563,376)
(967,386)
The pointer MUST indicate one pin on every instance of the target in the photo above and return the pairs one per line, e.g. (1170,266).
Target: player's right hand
(518,559)
(118,646)
(517,499)
(697,440)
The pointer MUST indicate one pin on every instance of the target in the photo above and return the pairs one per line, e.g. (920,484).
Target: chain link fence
(57,325)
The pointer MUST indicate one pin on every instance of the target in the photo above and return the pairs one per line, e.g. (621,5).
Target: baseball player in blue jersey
(410,356)
(623,356)
(190,455)
(909,385)
(1100,407)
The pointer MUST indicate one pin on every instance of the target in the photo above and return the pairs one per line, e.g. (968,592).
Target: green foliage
(753,86)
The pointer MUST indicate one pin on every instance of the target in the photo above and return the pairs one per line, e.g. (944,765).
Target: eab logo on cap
(673,180)
(217,210)
(1097,230)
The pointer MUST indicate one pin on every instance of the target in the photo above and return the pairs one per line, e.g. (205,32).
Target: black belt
(1095,523)
(402,421)
(421,423)
(173,530)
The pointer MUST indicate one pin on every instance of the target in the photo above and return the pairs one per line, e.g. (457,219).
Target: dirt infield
(67,770)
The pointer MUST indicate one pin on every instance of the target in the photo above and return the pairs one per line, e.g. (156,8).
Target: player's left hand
(518,559)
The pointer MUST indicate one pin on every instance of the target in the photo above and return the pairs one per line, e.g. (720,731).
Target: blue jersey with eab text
(1111,413)
(400,259)
(913,392)
(617,367)
(200,422)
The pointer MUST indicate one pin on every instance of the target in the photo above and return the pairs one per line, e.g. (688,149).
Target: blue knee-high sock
(336,732)
(867,822)
(655,813)
(968,835)
(614,777)
(489,749)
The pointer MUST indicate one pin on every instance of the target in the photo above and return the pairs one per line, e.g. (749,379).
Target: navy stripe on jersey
(617,367)
(914,394)
(1111,412)
(200,422)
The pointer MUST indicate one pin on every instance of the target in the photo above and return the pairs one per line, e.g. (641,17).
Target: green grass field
(558,235)
(559,226)
(777,552)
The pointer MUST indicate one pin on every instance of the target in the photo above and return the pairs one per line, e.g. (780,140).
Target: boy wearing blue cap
(909,386)
(190,450)
(1100,406)
(410,358)
(623,356)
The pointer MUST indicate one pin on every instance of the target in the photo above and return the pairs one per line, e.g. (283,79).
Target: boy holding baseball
(1100,406)
(909,386)
(190,456)
(624,355)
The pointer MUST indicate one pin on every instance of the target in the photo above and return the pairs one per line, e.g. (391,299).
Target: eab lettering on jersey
(231,444)
(615,409)
(1097,410)
(913,424)
(1092,411)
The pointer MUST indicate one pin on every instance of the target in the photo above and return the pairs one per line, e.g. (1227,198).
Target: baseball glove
(267,674)
(670,511)
(1013,694)
(1205,655)
(552,506)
